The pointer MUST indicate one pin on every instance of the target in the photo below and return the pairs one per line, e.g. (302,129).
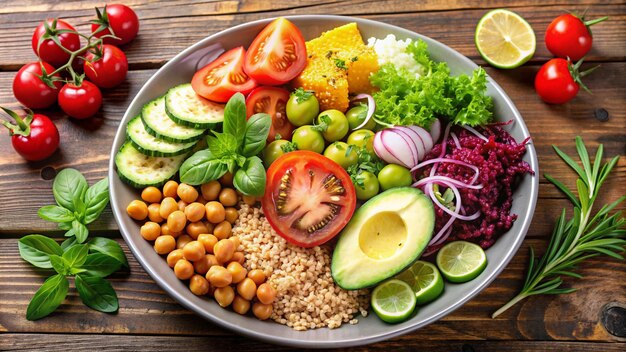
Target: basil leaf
(36,249)
(69,185)
(65,225)
(59,264)
(80,231)
(102,265)
(96,293)
(49,296)
(257,130)
(68,243)
(250,179)
(55,213)
(201,167)
(96,199)
(235,118)
(108,247)
(222,144)
(76,255)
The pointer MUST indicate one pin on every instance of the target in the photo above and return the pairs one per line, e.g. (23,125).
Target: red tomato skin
(49,51)
(567,36)
(554,82)
(280,124)
(30,90)
(42,141)
(124,22)
(110,70)
(80,102)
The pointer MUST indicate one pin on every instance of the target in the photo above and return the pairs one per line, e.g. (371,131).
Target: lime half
(425,280)
(461,261)
(504,39)
(393,301)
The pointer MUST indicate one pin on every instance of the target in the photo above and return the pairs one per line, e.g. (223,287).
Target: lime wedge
(504,39)
(461,261)
(393,301)
(425,280)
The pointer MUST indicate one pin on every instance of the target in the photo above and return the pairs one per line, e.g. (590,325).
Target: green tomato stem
(597,20)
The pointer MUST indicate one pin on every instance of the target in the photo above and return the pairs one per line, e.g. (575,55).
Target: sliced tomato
(308,198)
(222,78)
(272,101)
(277,55)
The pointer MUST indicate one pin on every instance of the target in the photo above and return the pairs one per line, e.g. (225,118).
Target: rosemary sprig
(583,236)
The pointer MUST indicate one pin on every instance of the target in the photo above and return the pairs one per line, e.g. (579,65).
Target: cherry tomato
(569,36)
(34,137)
(122,19)
(277,54)
(272,101)
(108,71)
(30,90)
(82,101)
(308,199)
(49,51)
(554,82)
(222,78)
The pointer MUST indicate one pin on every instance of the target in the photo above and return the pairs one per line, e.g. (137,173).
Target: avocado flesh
(386,235)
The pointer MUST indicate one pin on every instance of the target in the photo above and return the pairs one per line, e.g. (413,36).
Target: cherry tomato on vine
(569,36)
(122,19)
(109,70)
(30,90)
(82,101)
(34,137)
(48,50)
(557,81)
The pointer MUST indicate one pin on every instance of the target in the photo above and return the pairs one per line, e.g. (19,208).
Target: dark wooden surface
(150,320)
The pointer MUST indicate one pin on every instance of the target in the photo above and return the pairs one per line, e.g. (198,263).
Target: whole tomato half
(82,101)
(569,36)
(34,137)
(557,81)
(48,50)
(30,90)
(122,19)
(109,70)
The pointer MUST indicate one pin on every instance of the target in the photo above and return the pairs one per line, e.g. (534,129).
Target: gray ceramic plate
(371,329)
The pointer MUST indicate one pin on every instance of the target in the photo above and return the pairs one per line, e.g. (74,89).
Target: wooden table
(593,318)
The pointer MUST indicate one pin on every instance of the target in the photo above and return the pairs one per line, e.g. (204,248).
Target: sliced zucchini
(158,124)
(151,145)
(140,170)
(187,108)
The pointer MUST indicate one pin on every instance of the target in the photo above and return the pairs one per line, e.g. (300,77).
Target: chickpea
(236,241)
(183,269)
(181,205)
(202,266)
(198,285)
(241,305)
(211,260)
(194,212)
(193,251)
(257,275)
(237,271)
(208,241)
(170,188)
(153,213)
(176,221)
(194,229)
(223,230)
(224,250)
(211,190)
(182,241)
(150,231)
(151,195)
(174,257)
(218,276)
(165,230)
(215,212)
(246,288)
(168,205)
(137,210)
(250,200)
(224,296)
(228,197)
(262,311)
(187,193)
(164,244)
(231,215)
(266,293)
(238,257)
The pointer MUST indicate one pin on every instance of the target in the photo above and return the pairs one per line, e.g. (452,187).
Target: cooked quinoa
(307,297)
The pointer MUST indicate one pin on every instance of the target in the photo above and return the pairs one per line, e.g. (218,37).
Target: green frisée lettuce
(405,99)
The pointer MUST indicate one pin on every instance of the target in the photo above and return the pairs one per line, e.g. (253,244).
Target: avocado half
(385,235)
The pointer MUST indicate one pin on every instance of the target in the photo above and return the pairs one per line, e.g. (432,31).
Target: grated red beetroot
(501,167)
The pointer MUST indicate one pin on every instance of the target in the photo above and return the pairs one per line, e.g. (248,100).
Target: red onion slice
(371,108)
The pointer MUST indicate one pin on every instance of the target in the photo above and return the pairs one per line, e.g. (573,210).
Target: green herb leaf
(302,95)
(202,167)
(69,186)
(108,247)
(76,255)
(68,243)
(250,179)
(55,213)
(36,249)
(49,296)
(102,265)
(235,117)
(257,130)
(222,144)
(289,147)
(96,199)
(96,293)
(340,63)
(80,231)
(59,264)
(323,122)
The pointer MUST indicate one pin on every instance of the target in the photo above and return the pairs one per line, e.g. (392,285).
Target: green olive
(357,115)
(366,186)
(336,124)
(273,151)
(302,107)
(393,175)
(362,138)
(342,154)
(308,138)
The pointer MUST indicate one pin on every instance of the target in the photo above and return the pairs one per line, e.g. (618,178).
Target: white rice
(391,50)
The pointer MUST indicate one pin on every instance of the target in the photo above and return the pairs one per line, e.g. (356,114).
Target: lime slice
(504,39)
(425,280)
(393,301)
(461,261)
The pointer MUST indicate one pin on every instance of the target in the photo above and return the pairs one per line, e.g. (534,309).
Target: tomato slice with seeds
(277,54)
(308,198)
(222,78)
(272,101)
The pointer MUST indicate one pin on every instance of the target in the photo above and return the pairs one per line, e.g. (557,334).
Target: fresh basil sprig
(234,150)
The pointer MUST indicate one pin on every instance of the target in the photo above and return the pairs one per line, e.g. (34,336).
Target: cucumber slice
(187,108)
(158,124)
(150,145)
(140,170)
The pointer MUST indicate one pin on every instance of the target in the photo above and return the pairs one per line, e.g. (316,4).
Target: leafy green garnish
(289,147)
(302,95)
(340,63)
(366,162)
